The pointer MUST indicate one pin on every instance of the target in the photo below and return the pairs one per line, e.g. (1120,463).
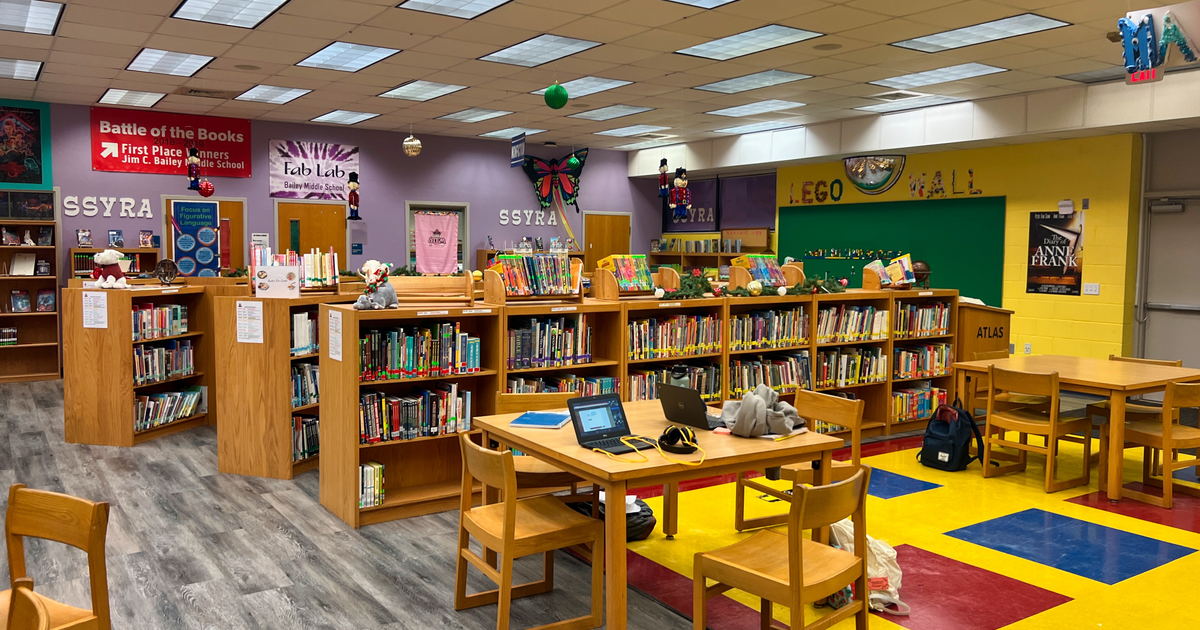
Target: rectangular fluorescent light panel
(753,81)
(474,115)
(987,32)
(756,108)
(940,75)
(703,4)
(539,50)
(1115,73)
(465,9)
(29,16)
(587,85)
(625,132)
(610,112)
(271,94)
(648,144)
(511,132)
(422,90)
(759,126)
(344,117)
(910,103)
(130,97)
(166,62)
(239,13)
(20,69)
(757,40)
(347,57)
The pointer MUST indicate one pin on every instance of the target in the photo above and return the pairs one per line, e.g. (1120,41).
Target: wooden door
(604,235)
(304,226)
(234,212)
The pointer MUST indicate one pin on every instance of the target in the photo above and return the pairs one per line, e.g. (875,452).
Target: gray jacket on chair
(760,413)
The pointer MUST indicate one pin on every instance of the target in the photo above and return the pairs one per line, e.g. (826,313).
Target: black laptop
(600,422)
(683,405)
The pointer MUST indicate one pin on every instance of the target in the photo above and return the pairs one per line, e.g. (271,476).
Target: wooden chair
(69,520)
(1133,411)
(790,569)
(812,406)
(1165,435)
(1004,400)
(26,610)
(1028,421)
(518,528)
(531,471)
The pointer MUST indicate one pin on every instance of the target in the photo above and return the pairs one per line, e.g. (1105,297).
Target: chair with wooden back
(1004,400)
(69,520)
(1028,421)
(517,528)
(26,610)
(531,471)
(1161,434)
(812,406)
(1133,411)
(792,570)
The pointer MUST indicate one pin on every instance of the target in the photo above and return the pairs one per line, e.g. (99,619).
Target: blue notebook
(541,420)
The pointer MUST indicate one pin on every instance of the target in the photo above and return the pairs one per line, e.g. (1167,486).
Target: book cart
(35,354)
(255,380)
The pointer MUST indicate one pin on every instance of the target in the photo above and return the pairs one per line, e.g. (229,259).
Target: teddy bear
(379,293)
(107,272)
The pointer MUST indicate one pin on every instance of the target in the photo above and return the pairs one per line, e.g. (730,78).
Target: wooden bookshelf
(639,308)
(608,334)
(81,259)
(98,387)
(36,355)
(945,381)
(255,385)
(739,306)
(422,475)
(482,256)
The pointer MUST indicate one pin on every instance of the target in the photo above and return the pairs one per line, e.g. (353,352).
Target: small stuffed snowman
(107,273)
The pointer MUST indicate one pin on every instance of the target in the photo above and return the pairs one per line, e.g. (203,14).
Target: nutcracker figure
(663,179)
(681,197)
(193,165)
(352,198)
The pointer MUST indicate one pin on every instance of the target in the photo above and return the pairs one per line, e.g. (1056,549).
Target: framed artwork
(31,205)
(25,146)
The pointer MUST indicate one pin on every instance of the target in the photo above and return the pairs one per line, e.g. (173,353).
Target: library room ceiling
(639,72)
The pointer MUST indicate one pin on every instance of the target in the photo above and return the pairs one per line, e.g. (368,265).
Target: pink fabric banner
(437,242)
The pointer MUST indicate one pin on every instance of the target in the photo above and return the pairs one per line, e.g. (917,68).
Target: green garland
(808,287)
(692,287)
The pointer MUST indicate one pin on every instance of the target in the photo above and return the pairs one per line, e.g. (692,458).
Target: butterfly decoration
(547,176)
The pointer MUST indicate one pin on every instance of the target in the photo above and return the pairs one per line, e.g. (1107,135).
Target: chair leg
(1149,462)
(699,596)
(598,579)
(1051,460)
(548,570)
(862,617)
(765,613)
(460,572)
(506,587)
(739,503)
(987,450)
(1168,478)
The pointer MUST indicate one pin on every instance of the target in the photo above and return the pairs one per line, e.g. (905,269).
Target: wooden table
(1115,379)
(725,454)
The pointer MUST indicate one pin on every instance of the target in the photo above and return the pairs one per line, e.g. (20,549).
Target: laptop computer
(600,422)
(683,405)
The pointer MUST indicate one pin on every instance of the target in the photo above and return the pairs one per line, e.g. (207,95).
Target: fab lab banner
(311,170)
(138,141)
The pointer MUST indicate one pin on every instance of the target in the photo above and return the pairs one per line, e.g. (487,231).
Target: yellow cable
(629,438)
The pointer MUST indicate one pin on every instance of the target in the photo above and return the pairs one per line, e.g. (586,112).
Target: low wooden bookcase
(35,357)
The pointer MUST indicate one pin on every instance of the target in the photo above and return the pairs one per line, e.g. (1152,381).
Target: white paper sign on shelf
(249,322)
(262,239)
(95,309)
(335,335)
(277,282)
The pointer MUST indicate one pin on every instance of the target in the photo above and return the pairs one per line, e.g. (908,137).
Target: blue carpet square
(1086,549)
(889,485)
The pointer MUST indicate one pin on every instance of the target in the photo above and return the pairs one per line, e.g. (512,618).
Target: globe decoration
(921,270)
(556,96)
(755,288)
(207,189)
(874,174)
(412,146)
(166,271)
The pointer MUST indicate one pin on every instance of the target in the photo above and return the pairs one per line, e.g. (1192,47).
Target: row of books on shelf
(706,379)
(152,364)
(917,401)
(922,361)
(922,320)
(8,336)
(843,322)
(305,384)
(318,269)
(673,336)
(12,235)
(537,274)
(549,342)
(843,367)
(155,322)
(763,267)
(159,408)
(768,329)
(18,301)
(306,337)
(443,410)
(433,349)
(83,264)
(370,484)
(782,373)
(306,436)
(586,386)
(631,271)
(697,246)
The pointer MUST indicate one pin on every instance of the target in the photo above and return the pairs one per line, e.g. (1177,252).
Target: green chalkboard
(961,239)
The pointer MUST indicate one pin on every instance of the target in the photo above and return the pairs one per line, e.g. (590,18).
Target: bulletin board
(961,239)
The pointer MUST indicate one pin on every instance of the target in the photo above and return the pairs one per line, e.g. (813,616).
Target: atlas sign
(1148,36)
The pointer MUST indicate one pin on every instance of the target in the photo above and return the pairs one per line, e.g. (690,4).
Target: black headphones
(679,440)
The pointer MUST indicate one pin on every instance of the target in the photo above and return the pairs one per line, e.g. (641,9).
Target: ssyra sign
(1148,36)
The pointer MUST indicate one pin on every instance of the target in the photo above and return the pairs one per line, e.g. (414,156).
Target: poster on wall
(1055,253)
(194,237)
(25,145)
(139,141)
(311,170)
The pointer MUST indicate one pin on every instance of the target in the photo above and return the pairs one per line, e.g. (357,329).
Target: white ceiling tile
(453,48)
(88,60)
(524,16)
(663,41)
(598,30)
(281,41)
(383,38)
(251,55)
(340,10)
(834,19)
(420,22)
(99,34)
(129,20)
(185,45)
(329,28)
(203,30)
(648,12)
(77,70)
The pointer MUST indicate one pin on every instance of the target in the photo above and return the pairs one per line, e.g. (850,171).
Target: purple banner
(703,215)
(748,202)
(311,170)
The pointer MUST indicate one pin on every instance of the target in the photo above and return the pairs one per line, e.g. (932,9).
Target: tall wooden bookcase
(422,475)
(608,334)
(255,383)
(640,308)
(36,355)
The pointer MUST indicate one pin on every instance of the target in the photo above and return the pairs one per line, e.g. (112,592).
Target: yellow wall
(1034,178)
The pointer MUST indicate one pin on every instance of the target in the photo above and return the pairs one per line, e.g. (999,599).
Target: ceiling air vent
(223,95)
(898,95)
(654,136)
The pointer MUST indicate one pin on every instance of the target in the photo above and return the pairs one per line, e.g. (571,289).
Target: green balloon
(556,96)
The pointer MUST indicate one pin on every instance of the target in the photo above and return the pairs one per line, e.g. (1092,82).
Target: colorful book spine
(768,329)
(677,336)
(783,373)
(443,410)
(922,361)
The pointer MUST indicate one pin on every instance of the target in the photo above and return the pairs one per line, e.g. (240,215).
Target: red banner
(134,141)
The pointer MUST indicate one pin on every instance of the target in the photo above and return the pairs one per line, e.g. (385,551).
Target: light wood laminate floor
(189,547)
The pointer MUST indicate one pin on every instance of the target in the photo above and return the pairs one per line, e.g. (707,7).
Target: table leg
(960,389)
(823,477)
(1116,444)
(614,549)
(671,510)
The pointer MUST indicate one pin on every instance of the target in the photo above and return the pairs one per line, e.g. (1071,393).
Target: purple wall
(748,202)
(448,170)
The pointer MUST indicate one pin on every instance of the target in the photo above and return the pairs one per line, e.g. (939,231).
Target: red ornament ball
(207,189)
(844,282)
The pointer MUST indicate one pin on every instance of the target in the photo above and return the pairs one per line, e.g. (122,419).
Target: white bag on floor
(881,565)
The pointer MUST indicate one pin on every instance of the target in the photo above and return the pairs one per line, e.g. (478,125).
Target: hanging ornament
(573,162)
(556,96)
(680,199)
(755,288)
(412,146)
(207,189)
(555,174)
(352,198)
(193,169)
